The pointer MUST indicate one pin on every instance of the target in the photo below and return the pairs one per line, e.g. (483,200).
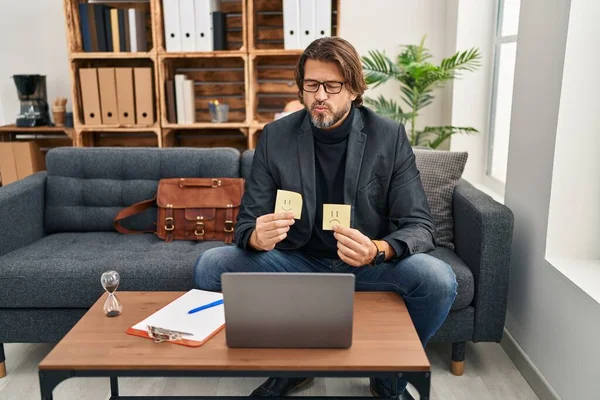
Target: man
(338,152)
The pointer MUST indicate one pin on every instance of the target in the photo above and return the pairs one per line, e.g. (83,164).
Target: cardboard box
(19,160)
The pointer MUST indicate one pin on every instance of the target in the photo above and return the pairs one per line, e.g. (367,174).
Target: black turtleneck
(330,167)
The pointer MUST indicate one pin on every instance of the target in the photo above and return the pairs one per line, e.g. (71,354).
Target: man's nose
(321,94)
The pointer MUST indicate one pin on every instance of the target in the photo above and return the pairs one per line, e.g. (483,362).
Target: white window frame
(488,180)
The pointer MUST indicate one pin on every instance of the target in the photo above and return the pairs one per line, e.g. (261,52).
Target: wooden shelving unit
(255,76)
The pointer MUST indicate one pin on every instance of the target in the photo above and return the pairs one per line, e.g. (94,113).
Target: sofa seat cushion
(464,277)
(64,269)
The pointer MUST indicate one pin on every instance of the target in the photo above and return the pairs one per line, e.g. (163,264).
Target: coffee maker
(34,100)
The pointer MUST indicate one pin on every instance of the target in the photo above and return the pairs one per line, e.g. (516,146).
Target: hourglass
(110,282)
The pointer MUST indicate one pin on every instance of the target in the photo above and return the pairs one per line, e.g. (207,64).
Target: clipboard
(173,324)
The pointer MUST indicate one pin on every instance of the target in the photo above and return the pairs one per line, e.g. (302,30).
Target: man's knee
(436,277)
(211,264)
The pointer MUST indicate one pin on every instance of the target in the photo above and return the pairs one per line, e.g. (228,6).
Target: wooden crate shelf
(223,79)
(111,62)
(273,85)
(206,54)
(255,76)
(75,40)
(119,138)
(207,125)
(236,138)
(101,55)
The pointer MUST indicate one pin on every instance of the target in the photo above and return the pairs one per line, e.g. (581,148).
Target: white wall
(554,321)
(574,228)
(33,41)
(469,101)
(385,25)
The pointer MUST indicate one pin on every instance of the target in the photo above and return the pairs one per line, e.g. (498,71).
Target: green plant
(418,78)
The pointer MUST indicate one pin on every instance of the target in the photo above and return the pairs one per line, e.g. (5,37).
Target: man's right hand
(270,230)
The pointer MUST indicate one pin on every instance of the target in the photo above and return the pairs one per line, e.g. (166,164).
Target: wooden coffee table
(385,344)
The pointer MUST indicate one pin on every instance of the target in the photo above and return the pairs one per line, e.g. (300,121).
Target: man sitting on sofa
(337,151)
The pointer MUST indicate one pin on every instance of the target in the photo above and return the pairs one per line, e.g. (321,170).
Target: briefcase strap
(133,210)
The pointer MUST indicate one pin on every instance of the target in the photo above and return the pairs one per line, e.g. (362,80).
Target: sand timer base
(112,306)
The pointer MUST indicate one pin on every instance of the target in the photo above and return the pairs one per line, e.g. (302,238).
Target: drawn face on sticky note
(287,201)
(336,214)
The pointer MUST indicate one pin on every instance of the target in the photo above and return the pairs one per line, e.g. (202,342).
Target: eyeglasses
(330,87)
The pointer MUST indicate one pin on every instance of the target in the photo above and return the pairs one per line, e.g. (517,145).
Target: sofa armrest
(483,238)
(22,205)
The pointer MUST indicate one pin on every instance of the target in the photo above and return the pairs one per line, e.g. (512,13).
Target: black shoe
(277,387)
(378,389)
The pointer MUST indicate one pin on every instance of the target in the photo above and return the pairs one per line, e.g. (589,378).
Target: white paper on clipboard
(174,316)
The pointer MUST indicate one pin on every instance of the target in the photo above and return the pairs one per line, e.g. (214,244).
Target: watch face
(379,258)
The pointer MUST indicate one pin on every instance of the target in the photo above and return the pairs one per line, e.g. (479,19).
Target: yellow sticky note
(287,201)
(336,214)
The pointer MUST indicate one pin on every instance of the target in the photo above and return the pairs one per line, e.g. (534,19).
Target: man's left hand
(354,248)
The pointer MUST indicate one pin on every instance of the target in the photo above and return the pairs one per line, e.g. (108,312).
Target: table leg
(394,388)
(114,386)
(50,379)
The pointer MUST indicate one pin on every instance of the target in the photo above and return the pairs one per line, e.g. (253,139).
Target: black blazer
(381,182)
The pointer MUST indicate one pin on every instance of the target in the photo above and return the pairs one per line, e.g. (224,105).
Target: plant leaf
(388,108)
(378,68)
(468,60)
(441,133)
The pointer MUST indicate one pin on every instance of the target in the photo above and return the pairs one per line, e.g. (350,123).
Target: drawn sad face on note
(333,217)
(336,214)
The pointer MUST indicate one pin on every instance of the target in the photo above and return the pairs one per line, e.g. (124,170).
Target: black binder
(219,30)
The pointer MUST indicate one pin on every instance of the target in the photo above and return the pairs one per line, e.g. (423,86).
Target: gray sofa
(57,237)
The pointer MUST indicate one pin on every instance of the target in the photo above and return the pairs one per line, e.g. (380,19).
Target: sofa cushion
(464,277)
(440,172)
(64,269)
(86,188)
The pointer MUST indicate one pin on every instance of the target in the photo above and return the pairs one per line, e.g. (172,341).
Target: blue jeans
(427,284)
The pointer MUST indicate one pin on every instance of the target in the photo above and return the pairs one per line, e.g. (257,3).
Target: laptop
(288,310)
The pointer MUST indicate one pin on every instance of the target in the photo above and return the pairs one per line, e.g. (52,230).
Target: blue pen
(204,307)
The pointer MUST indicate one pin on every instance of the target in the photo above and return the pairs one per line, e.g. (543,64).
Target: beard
(326,119)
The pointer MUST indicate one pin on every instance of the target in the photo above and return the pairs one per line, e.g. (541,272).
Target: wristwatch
(379,256)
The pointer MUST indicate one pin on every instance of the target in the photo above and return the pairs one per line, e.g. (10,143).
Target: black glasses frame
(324,86)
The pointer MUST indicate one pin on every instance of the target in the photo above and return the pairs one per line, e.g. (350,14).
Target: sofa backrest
(87,187)
(247,159)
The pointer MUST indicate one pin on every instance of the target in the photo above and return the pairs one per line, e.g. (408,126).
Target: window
(505,51)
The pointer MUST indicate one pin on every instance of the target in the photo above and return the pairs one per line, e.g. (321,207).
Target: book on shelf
(181,100)
(106,29)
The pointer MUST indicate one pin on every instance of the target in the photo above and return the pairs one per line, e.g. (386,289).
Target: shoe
(277,387)
(378,389)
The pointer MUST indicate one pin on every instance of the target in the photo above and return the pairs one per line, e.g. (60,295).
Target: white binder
(189,101)
(179,98)
(172,26)
(322,18)
(291,24)
(307,22)
(204,24)
(187,24)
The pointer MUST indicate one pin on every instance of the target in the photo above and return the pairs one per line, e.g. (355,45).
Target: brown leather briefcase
(192,209)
